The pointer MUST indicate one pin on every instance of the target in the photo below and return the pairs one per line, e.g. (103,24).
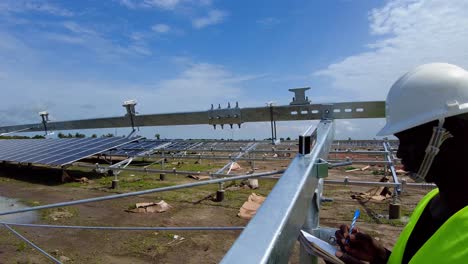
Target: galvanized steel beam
(346,181)
(271,234)
(347,110)
(133,228)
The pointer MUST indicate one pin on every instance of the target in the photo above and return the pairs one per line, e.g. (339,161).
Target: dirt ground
(190,207)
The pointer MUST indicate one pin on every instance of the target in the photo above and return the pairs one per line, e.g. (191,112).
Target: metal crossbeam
(401,185)
(133,228)
(347,110)
(130,194)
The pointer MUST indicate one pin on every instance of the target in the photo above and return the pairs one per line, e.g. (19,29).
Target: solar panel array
(182,144)
(138,147)
(56,152)
(149,146)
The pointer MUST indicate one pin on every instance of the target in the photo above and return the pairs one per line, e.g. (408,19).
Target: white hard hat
(427,93)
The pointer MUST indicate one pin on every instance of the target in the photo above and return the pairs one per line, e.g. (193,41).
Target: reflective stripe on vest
(449,244)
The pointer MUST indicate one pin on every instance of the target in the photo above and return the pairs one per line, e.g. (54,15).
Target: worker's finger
(339,235)
(340,239)
(341,243)
(346,258)
(344,228)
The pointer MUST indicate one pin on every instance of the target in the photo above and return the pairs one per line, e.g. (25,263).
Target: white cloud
(194,88)
(78,29)
(214,17)
(411,33)
(19,6)
(138,48)
(161,28)
(64,38)
(165,4)
(268,21)
(104,47)
(162,4)
(199,86)
(128,3)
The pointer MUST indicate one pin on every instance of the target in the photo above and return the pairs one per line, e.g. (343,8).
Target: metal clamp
(225,116)
(322,168)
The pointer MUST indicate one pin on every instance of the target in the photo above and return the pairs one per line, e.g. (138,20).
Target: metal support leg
(115,182)
(253,162)
(220,192)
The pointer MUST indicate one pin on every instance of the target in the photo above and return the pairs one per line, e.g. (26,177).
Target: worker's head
(424,109)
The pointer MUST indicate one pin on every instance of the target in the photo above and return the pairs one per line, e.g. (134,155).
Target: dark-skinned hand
(361,247)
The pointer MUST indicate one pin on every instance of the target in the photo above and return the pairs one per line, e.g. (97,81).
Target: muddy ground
(190,207)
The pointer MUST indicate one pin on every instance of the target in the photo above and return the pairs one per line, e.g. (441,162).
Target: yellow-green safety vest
(449,244)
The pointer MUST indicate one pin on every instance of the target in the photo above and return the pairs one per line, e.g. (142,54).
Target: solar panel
(177,145)
(56,152)
(139,147)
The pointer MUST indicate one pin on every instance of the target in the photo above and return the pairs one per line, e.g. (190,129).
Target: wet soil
(35,187)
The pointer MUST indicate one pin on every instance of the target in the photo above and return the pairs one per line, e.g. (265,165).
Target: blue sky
(81,59)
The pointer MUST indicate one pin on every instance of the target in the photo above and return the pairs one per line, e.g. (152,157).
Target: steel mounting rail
(224,116)
(271,234)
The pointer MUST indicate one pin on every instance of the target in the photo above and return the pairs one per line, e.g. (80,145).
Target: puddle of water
(9,204)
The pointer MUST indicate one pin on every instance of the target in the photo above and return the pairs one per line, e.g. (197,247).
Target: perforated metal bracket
(225,116)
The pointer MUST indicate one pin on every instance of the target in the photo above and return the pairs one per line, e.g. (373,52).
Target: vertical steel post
(273,136)
(394,207)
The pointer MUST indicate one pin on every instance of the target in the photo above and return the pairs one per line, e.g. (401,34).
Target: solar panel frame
(37,149)
(17,143)
(57,152)
(180,145)
(88,152)
(138,148)
(152,150)
(71,149)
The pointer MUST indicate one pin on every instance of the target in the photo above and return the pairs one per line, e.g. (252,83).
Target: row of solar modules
(60,152)
(137,148)
(142,147)
(149,146)
(56,152)
(363,144)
